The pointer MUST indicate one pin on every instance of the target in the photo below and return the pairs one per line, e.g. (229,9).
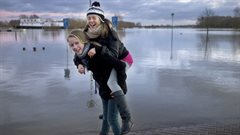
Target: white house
(40,22)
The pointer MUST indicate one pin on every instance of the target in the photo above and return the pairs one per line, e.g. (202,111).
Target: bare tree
(76,23)
(236,11)
(138,24)
(207,14)
(14,23)
(206,19)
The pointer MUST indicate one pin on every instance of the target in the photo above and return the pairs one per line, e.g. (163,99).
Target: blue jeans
(110,117)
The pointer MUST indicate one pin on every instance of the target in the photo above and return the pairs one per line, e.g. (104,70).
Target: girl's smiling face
(75,44)
(93,21)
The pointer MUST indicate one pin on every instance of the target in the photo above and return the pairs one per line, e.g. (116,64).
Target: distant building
(40,23)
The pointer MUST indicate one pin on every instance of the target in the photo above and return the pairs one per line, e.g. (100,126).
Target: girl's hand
(91,52)
(81,69)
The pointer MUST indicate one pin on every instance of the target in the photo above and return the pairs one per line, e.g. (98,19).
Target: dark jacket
(101,66)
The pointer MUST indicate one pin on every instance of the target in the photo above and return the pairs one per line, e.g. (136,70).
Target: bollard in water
(67,73)
(91,103)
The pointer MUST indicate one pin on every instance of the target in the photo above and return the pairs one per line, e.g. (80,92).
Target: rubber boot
(119,99)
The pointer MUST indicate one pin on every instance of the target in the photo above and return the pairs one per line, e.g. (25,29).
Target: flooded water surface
(194,79)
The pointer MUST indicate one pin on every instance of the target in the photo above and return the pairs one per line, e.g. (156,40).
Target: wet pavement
(195,92)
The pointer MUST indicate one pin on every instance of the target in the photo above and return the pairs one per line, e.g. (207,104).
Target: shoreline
(228,127)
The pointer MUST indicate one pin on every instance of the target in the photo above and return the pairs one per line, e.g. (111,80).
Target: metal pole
(67,56)
(90,3)
(172,38)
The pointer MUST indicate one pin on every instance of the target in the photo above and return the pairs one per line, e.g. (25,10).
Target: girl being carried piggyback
(100,30)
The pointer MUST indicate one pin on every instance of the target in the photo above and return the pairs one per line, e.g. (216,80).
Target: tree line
(219,22)
(81,23)
(73,23)
(208,19)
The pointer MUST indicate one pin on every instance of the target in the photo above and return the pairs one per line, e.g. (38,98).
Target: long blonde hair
(106,25)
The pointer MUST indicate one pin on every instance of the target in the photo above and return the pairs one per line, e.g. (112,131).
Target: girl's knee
(112,82)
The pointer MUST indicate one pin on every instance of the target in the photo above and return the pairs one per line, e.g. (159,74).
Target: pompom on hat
(96,10)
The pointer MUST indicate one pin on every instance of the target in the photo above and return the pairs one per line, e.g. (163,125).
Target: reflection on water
(67,70)
(91,102)
(199,84)
(222,45)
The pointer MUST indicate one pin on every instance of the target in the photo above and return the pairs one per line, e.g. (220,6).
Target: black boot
(126,126)
(119,99)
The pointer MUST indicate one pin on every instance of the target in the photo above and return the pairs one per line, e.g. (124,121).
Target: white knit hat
(96,10)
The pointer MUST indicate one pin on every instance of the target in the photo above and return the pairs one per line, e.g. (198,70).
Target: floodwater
(190,80)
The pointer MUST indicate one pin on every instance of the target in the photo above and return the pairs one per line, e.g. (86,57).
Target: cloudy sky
(144,11)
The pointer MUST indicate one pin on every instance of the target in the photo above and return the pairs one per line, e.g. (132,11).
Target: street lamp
(171,57)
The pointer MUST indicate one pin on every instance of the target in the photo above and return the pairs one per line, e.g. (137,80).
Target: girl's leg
(105,125)
(113,81)
(113,117)
(120,101)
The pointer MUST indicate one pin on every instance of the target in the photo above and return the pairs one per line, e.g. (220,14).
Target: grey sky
(144,11)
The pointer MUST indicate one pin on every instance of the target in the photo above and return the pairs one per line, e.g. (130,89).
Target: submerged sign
(115,22)
(65,23)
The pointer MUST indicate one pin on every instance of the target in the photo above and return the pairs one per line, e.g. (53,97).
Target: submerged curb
(226,128)
(220,128)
